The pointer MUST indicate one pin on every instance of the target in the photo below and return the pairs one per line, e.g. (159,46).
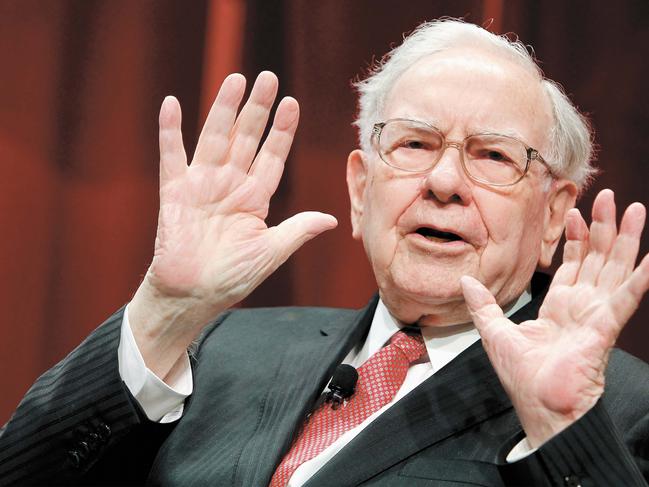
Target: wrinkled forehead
(470,90)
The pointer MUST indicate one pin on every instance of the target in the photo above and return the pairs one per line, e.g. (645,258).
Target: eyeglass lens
(417,147)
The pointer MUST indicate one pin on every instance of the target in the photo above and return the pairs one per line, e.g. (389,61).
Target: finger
(173,160)
(251,123)
(295,231)
(603,231)
(574,250)
(627,297)
(622,257)
(481,303)
(269,163)
(214,140)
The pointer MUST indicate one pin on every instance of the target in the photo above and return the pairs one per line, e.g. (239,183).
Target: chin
(434,300)
(435,286)
(426,307)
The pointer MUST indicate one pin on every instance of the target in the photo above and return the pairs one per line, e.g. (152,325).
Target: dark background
(81,84)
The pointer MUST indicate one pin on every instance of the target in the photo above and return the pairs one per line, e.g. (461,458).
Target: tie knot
(411,345)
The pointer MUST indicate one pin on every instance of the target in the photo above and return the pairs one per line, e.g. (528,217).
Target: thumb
(295,231)
(481,303)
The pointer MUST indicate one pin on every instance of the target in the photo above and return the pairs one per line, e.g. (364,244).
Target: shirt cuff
(160,401)
(520,451)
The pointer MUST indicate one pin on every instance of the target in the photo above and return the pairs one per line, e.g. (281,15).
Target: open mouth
(438,235)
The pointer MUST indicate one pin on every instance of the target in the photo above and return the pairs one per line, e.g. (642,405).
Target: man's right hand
(212,246)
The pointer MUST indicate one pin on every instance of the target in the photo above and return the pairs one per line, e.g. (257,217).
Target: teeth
(437,239)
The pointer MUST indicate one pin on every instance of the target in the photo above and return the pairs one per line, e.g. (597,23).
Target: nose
(446,181)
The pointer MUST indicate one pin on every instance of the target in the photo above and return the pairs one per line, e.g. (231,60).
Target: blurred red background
(81,84)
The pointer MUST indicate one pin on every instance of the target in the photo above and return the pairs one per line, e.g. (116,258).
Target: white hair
(570,150)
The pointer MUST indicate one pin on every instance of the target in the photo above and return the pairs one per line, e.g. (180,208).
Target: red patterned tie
(379,379)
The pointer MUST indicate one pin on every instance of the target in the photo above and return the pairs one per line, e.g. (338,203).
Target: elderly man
(469,168)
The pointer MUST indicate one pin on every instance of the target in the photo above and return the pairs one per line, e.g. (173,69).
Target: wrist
(164,326)
(541,424)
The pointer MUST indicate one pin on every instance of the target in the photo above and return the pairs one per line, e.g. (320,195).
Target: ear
(356,180)
(562,198)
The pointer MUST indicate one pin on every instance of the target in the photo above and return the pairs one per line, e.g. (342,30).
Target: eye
(494,155)
(413,144)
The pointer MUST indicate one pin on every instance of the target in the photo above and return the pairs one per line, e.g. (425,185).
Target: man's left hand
(553,367)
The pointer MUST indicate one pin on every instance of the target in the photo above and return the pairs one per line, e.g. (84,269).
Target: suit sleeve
(589,453)
(67,428)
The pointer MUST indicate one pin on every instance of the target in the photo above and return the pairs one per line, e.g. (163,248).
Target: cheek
(386,200)
(515,227)
(512,219)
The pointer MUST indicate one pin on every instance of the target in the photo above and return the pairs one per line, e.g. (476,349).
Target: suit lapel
(336,339)
(309,366)
(462,394)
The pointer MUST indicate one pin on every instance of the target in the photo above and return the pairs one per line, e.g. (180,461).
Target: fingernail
(235,80)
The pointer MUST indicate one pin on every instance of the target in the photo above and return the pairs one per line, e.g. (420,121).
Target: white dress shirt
(164,402)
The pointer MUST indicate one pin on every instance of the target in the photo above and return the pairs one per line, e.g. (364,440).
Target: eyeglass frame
(532,154)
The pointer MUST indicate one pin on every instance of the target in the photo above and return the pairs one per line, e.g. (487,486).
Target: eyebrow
(474,131)
(506,132)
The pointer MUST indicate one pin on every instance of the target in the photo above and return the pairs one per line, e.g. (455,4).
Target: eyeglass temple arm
(534,154)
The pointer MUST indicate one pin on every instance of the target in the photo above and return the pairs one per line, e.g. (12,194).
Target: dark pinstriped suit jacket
(257,374)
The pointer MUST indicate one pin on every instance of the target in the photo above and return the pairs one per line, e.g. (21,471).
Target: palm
(561,356)
(211,222)
(212,243)
(553,367)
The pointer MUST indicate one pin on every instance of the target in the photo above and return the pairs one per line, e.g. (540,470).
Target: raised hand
(553,367)
(212,245)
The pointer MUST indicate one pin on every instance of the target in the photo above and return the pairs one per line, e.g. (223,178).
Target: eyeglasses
(493,159)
